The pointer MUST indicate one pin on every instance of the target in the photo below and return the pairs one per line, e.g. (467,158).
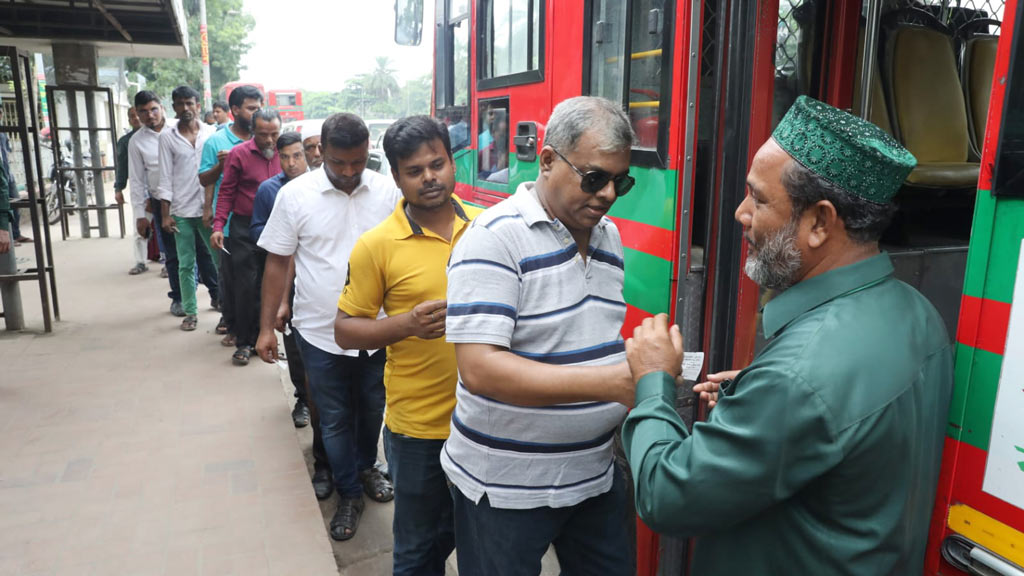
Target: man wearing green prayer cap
(822,456)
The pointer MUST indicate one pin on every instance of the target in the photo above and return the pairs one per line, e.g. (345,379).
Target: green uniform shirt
(822,456)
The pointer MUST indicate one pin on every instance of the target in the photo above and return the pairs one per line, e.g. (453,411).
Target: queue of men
(486,346)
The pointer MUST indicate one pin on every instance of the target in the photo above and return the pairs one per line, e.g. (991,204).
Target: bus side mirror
(408,22)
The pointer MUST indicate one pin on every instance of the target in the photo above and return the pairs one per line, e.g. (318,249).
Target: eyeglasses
(594,181)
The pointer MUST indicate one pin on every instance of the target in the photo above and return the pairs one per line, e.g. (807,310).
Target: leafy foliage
(228,28)
(382,97)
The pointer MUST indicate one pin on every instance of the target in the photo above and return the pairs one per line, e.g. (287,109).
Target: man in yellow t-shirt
(400,267)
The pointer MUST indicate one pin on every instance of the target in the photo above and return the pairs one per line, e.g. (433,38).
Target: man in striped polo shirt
(535,308)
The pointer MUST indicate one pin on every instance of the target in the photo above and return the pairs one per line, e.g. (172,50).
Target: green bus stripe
(652,200)
(974,398)
(1008,230)
(981,244)
(648,281)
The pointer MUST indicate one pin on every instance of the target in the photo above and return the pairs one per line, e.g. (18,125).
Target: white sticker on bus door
(1004,470)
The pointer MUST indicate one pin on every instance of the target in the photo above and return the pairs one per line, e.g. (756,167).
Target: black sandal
(376,486)
(346,519)
(241,356)
(222,327)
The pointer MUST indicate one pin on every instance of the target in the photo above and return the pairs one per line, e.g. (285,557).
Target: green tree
(381,83)
(228,27)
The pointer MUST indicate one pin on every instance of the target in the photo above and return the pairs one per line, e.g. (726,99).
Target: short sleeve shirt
(516,280)
(319,225)
(396,266)
(222,139)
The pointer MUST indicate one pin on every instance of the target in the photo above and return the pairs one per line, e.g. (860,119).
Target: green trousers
(189,230)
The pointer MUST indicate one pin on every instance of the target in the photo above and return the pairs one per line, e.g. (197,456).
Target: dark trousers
(297,374)
(16,220)
(245,289)
(227,291)
(349,396)
(590,538)
(423,525)
(170,251)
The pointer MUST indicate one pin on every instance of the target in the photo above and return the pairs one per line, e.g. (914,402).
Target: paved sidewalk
(129,447)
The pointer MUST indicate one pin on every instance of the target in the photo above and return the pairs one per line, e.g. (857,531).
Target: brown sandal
(188,323)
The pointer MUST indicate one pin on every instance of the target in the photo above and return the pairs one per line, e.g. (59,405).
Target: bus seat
(928,110)
(879,107)
(978,67)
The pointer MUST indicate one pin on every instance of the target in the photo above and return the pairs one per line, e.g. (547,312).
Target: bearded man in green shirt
(822,456)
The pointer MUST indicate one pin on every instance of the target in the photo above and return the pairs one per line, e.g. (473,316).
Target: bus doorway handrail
(869,62)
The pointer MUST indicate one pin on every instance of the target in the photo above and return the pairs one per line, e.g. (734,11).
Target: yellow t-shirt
(396,266)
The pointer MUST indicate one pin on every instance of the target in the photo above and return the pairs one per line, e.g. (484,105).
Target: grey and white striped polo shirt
(516,280)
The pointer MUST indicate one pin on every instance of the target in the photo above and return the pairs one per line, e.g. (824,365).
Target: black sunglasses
(595,180)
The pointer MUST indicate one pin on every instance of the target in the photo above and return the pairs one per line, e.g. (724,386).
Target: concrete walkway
(131,448)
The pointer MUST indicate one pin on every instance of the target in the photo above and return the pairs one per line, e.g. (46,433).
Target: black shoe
(323,485)
(346,518)
(300,414)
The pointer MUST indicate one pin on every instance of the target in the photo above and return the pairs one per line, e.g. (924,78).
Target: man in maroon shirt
(246,166)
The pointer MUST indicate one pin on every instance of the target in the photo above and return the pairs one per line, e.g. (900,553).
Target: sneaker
(177,310)
(138,269)
(163,272)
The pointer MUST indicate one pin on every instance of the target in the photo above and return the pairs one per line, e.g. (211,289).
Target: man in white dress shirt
(143,180)
(318,217)
(182,196)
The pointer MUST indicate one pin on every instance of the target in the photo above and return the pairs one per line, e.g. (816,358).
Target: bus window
(608,32)
(795,65)
(492,141)
(640,81)
(510,45)
(285,99)
(451,86)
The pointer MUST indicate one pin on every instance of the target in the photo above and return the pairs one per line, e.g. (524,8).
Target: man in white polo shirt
(318,217)
(535,309)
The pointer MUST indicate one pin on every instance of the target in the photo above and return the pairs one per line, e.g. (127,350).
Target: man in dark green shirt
(822,456)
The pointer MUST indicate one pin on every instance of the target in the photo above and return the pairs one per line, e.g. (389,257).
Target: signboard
(1004,470)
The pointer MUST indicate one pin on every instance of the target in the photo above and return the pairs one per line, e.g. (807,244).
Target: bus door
(493,89)
(978,524)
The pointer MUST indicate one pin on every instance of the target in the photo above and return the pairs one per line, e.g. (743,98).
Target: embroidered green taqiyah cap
(848,152)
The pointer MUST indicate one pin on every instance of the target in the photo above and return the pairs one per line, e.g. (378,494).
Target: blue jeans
(349,394)
(423,524)
(590,538)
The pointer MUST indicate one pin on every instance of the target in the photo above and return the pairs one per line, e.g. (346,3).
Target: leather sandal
(188,323)
(241,356)
(346,518)
(376,486)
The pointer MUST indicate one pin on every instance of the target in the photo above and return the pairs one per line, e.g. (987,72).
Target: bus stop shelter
(76,33)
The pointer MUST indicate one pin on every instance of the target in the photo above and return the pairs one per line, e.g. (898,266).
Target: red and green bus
(286,101)
(704,83)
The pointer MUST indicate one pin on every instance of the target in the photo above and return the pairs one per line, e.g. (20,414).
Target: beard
(268,153)
(243,124)
(776,260)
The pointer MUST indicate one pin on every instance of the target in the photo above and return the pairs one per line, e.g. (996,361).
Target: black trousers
(227,292)
(244,264)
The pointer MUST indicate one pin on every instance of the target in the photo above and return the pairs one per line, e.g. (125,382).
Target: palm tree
(381,83)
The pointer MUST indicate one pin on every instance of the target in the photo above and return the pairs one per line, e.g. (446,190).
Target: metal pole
(95,160)
(78,162)
(869,63)
(205,48)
